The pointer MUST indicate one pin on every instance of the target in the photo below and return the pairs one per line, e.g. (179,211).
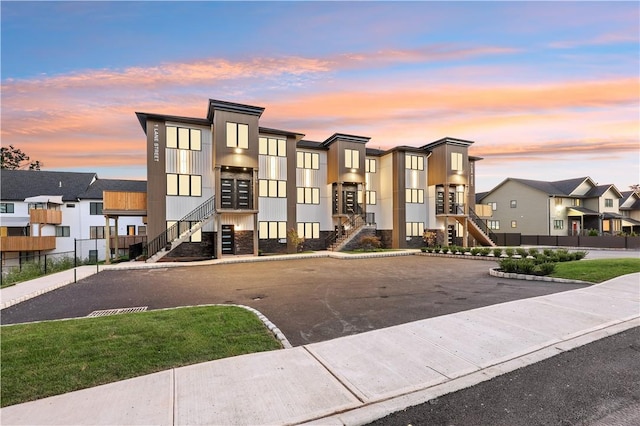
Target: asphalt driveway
(310,300)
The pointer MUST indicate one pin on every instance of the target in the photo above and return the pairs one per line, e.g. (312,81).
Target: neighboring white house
(45,212)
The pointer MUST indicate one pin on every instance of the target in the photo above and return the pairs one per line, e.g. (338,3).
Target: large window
(370,197)
(456,161)
(272,188)
(351,159)
(608,202)
(272,230)
(184,185)
(272,146)
(237,135)
(7,208)
(95,208)
(415,229)
(98,232)
(493,224)
(414,162)
(309,230)
(558,224)
(63,231)
(415,195)
(184,138)
(370,165)
(308,160)
(308,195)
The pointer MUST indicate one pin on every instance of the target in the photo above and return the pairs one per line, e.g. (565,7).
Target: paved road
(310,300)
(593,385)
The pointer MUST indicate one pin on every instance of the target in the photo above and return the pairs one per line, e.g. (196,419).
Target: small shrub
(563,255)
(593,232)
(545,268)
(497,252)
(525,266)
(508,265)
(485,251)
(579,255)
(509,252)
(370,242)
(522,252)
(533,252)
(475,251)
(548,252)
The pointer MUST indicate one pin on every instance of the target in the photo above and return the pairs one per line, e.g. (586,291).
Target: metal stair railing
(482,224)
(200,213)
(356,221)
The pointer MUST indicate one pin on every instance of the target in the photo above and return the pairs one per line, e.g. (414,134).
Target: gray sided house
(575,206)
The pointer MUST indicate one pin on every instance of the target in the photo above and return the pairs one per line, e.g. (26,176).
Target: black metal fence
(601,241)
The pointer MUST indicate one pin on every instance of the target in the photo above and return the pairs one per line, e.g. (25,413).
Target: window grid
(608,202)
(7,208)
(415,229)
(63,231)
(272,146)
(95,208)
(513,204)
(558,224)
(414,162)
(370,165)
(414,196)
(309,230)
(371,197)
(184,185)
(514,224)
(308,160)
(272,188)
(98,232)
(184,138)
(351,159)
(456,161)
(308,195)
(493,224)
(237,135)
(272,230)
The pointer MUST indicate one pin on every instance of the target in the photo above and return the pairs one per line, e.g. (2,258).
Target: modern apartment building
(227,185)
(45,212)
(574,206)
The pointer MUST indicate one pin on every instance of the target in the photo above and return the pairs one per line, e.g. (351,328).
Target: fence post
(75,259)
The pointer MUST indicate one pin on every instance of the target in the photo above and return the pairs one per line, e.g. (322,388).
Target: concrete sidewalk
(356,379)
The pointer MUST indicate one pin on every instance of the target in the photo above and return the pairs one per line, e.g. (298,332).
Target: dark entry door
(227,239)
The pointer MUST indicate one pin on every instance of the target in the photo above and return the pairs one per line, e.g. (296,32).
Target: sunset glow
(546,90)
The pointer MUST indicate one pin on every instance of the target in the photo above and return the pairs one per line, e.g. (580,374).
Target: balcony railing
(46,216)
(27,243)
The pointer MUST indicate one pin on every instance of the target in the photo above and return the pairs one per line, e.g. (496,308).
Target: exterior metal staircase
(479,230)
(180,231)
(337,240)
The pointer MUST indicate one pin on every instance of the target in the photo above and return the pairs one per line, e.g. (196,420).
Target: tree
(13,158)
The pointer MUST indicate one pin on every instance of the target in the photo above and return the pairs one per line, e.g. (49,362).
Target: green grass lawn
(596,270)
(54,357)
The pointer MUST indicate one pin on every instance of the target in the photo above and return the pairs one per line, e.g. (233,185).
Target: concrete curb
(495,272)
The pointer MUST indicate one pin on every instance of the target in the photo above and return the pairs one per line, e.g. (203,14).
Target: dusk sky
(546,90)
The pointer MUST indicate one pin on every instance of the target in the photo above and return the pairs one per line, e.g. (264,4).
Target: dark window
(6,208)
(63,231)
(95,208)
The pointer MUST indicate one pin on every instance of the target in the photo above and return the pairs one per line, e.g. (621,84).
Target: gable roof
(630,200)
(17,185)
(559,188)
(600,190)
(94,192)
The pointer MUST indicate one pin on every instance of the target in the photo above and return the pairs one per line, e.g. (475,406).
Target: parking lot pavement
(310,300)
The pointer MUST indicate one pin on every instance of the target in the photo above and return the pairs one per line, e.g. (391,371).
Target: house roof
(17,185)
(599,190)
(559,188)
(626,196)
(94,192)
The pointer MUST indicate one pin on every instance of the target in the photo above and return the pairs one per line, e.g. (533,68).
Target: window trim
(414,162)
(369,162)
(307,160)
(7,208)
(265,148)
(193,138)
(178,181)
(414,196)
(280,228)
(265,188)
(312,227)
(307,195)
(351,158)
(235,135)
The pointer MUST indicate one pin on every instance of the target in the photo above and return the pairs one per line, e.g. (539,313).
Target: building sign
(156,142)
